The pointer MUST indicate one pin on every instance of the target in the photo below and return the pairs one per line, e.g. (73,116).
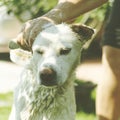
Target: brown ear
(83,31)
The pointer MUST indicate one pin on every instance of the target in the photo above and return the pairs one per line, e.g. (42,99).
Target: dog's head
(56,52)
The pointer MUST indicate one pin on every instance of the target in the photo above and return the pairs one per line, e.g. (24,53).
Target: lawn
(6,100)
(85,106)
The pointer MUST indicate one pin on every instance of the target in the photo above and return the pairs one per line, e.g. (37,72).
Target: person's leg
(108,92)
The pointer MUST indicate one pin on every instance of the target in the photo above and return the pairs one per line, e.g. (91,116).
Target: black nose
(48,77)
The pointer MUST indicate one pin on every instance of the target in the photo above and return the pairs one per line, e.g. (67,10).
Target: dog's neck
(55,103)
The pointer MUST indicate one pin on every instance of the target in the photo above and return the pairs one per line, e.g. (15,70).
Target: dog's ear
(17,54)
(85,33)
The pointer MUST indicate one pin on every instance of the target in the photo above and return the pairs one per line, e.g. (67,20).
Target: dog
(46,87)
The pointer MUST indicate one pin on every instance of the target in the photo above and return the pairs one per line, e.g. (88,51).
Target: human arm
(64,11)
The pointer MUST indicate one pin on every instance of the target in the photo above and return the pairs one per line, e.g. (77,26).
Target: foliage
(28,9)
(95,17)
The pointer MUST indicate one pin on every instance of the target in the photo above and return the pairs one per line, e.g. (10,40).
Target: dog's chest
(45,104)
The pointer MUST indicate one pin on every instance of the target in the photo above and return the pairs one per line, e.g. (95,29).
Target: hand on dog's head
(85,33)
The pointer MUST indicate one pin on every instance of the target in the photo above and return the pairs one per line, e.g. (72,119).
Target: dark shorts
(111,34)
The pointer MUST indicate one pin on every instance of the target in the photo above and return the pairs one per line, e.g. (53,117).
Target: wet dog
(46,87)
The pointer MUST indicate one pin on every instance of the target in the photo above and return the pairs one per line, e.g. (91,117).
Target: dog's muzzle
(48,77)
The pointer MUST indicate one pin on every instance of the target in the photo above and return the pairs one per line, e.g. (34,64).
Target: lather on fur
(46,87)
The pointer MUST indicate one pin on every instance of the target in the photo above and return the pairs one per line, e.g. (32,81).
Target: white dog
(46,87)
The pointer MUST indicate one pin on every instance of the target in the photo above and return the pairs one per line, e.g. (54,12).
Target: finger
(22,42)
(23,37)
(27,30)
(34,32)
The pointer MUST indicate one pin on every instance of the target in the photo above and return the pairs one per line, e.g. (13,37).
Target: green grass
(6,100)
(4,112)
(85,116)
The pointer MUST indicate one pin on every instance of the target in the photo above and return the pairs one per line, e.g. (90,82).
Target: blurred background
(13,14)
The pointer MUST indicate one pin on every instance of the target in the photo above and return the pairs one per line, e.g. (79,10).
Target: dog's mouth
(49,83)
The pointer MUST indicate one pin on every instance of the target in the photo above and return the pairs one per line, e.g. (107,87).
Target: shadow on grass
(85,97)
(5,56)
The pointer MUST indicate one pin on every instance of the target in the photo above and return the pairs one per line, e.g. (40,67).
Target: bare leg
(108,92)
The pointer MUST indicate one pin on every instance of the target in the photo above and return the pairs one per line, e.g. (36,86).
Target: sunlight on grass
(6,100)
(4,112)
(84,116)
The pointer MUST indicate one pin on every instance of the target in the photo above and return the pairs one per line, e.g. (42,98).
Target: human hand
(29,32)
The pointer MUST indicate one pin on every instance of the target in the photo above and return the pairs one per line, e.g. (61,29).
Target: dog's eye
(65,51)
(40,51)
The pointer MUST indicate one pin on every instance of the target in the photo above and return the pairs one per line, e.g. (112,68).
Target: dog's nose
(48,77)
